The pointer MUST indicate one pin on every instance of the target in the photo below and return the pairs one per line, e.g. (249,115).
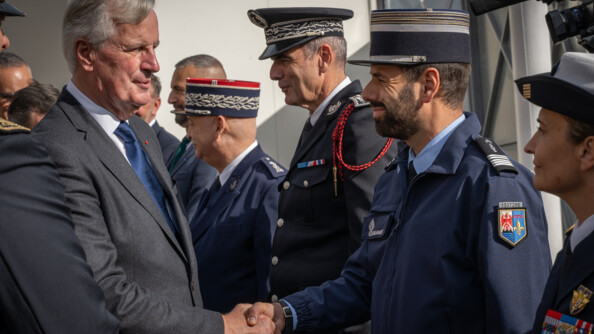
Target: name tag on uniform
(559,323)
(312,163)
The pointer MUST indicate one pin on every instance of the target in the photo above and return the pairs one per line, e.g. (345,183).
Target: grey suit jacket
(148,277)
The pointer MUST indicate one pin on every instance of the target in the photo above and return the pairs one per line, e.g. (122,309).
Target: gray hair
(35,98)
(200,61)
(156,85)
(337,44)
(9,59)
(96,21)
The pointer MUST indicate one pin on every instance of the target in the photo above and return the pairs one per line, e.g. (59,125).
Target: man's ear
(587,154)
(430,84)
(326,57)
(84,54)
(221,123)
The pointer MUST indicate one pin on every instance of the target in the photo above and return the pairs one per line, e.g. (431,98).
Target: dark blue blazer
(571,270)
(167,141)
(193,176)
(232,233)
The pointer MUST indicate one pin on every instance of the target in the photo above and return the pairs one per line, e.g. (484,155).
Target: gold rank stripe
(420,18)
(527,90)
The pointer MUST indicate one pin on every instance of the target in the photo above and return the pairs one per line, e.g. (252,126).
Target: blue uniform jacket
(232,234)
(432,260)
(167,141)
(571,270)
(193,177)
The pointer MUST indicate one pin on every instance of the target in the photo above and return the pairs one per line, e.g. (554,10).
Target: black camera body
(578,20)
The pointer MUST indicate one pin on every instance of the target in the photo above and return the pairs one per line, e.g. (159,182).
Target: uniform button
(286,185)
(274,298)
(280,222)
(274,260)
(305,183)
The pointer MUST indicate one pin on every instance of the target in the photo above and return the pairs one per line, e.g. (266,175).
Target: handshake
(255,319)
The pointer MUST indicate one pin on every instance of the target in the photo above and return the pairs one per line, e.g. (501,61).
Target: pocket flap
(376,225)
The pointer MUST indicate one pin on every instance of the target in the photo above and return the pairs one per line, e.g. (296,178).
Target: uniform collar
(431,150)
(318,112)
(449,157)
(226,173)
(581,231)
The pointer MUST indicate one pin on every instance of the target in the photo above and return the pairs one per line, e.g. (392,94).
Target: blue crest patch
(512,225)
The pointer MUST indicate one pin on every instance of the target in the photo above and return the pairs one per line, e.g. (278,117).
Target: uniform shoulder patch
(358,101)
(8,127)
(495,155)
(274,167)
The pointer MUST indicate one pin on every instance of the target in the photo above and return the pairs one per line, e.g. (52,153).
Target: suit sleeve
(514,276)
(361,145)
(137,308)
(47,285)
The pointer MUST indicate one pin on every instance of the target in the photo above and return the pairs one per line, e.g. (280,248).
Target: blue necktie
(143,169)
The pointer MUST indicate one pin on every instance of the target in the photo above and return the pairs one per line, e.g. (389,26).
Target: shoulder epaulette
(8,127)
(495,155)
(358,101)
(274,167)
(569,229)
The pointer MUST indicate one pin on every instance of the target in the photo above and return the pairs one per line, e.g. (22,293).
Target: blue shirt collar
(429,153)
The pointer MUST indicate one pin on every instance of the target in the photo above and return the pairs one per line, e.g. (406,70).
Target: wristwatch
(288,317)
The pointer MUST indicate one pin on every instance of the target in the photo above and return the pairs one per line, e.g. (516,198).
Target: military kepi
(7,9)
(417,36)
(568,89)
(286,28)
(217,97)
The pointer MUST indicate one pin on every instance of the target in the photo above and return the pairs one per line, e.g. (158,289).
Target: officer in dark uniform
(47,287)
(456,240)
(328,189)
(233,226)
(563,149)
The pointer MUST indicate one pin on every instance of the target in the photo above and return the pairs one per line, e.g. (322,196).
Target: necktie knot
(125,133)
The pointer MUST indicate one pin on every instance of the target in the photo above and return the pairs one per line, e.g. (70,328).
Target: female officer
(563,149)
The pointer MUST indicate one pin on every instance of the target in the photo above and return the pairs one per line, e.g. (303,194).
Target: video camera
(562,24)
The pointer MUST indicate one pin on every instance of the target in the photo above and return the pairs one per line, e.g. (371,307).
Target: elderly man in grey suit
(125,210)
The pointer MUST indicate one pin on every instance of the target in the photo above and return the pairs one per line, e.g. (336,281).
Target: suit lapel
(226,195)
(329,115)
(115,162)
(184,159)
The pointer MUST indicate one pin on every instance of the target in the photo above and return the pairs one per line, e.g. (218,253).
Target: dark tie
(214,188)
(306,129)
(411,173)
(141,165)
(181,149)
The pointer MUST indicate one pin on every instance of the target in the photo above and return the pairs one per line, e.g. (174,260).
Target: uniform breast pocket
(313,192)
(377,226)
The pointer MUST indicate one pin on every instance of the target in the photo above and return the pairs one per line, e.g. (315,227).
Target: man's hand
(235,322)
(272,311)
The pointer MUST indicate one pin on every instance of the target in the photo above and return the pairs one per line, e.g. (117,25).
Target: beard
(401,117)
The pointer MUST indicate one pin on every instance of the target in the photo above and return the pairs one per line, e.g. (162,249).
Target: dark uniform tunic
(232,233)
(45,284)
(432,260)
(316,230)
(571,270)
